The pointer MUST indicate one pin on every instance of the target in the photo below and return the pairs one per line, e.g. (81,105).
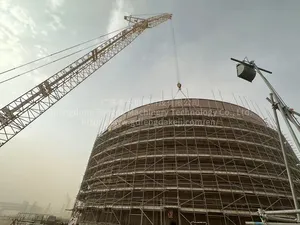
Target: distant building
(13,208)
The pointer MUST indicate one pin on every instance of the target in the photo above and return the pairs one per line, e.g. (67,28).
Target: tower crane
(22,111)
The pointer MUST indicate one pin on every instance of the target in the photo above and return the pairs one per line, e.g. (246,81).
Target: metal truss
(18,114)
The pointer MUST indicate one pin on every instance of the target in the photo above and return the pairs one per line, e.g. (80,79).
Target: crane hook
(179,86)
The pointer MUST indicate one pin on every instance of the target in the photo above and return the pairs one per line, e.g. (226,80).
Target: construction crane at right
(247,70)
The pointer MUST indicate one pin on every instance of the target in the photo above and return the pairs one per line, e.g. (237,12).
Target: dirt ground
(5,222)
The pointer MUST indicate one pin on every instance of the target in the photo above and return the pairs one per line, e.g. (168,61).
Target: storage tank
(183,162)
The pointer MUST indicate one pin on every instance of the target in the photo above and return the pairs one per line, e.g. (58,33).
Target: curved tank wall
(185,161)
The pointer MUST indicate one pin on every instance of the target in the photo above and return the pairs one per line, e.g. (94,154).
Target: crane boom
(18,114)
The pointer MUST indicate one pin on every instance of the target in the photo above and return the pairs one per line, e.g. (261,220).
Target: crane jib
(46,86)
(19,113)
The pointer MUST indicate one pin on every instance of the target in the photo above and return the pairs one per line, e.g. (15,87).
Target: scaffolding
(186,161)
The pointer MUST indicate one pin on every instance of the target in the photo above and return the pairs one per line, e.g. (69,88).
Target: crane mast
(22,111)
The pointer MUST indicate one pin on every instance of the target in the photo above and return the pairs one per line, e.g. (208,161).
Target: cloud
(53,10)
(37,77)
(55,4)
(116,20)
(10,44)
(17,29)
(21,15)
(4,4)
(41,51)
(15,22)
(56,23)
(45,33)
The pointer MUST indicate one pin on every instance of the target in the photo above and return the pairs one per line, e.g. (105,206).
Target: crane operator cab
(245,72)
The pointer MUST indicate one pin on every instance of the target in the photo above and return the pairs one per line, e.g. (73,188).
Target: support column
(274,106)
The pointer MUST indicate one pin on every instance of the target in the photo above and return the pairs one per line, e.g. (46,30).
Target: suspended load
(245,72)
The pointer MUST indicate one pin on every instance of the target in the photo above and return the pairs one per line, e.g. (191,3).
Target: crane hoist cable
(61,51)
(49,63)
(176,57)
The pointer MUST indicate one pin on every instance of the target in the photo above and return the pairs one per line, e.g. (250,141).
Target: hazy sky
(47,160)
